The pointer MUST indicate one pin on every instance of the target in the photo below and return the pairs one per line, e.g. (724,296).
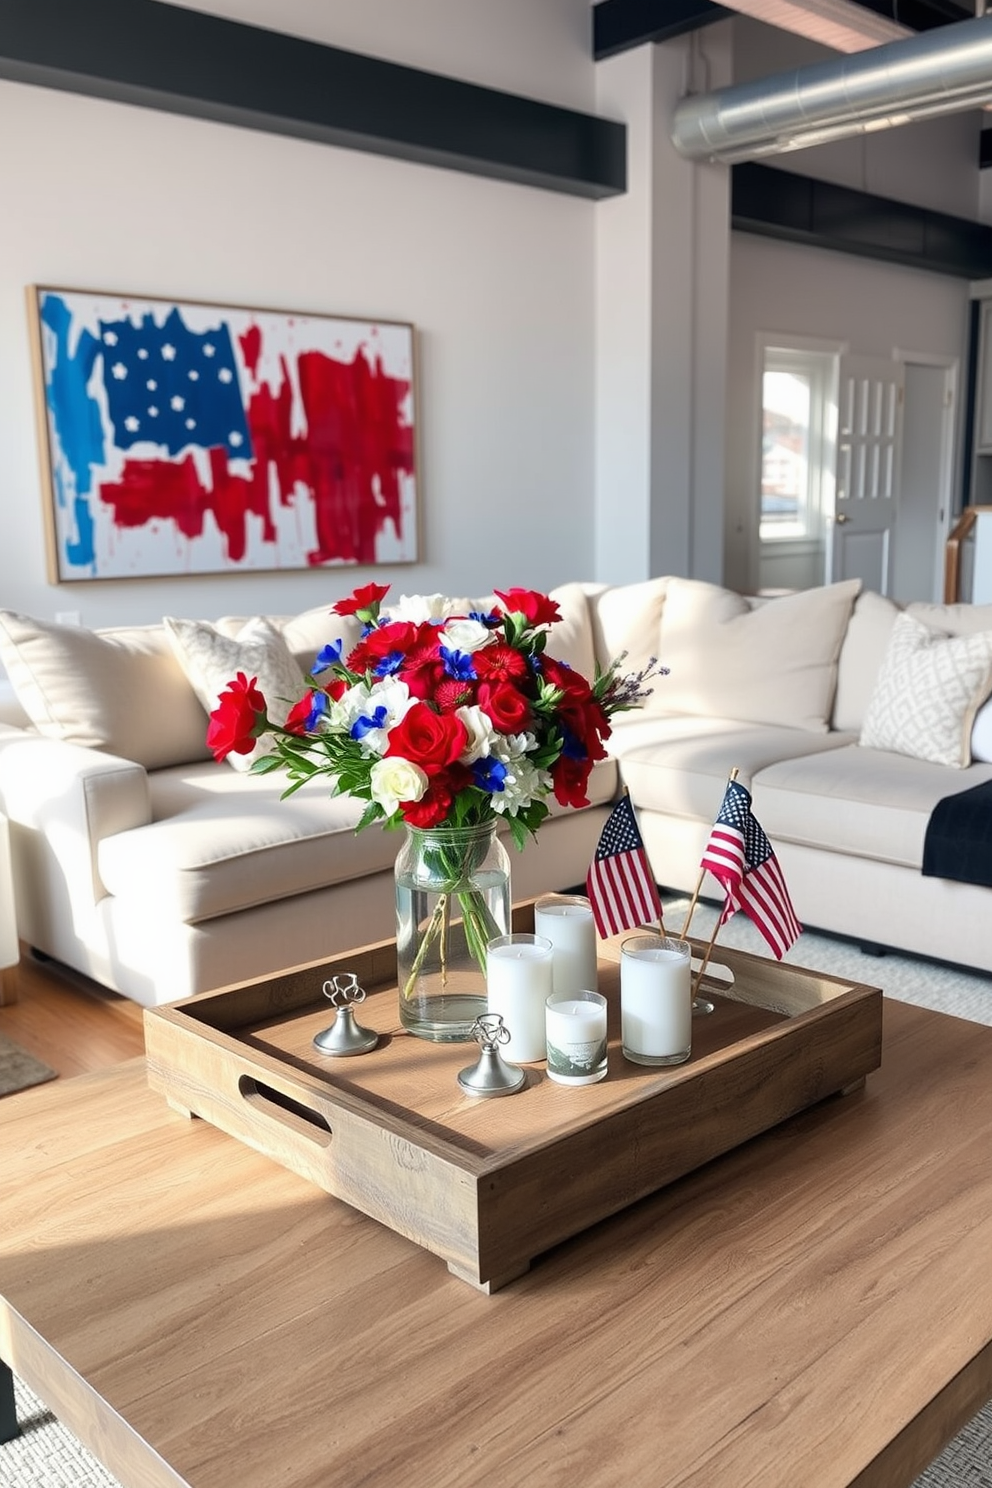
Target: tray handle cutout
(284,1109)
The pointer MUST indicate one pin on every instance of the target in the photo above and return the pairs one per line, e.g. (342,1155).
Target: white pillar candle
(576,1034)
(518,984)
(656,999)
(566,920)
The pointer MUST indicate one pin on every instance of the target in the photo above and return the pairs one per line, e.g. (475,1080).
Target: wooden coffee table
(811,1309)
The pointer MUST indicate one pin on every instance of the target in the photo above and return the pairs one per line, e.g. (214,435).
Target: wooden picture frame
(181,437)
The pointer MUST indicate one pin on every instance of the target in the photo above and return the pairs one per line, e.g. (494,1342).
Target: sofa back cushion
(861,656)
(120,690)
(770,662)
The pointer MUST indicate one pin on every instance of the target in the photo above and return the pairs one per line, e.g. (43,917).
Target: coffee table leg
(8,1415)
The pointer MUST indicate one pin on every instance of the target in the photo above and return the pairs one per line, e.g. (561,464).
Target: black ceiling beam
(187,62)
(779,204)
(618,25)
(985,149)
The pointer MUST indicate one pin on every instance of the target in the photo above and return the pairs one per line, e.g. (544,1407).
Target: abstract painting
(186,438)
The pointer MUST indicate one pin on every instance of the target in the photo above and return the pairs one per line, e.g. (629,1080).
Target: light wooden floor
(67,1020)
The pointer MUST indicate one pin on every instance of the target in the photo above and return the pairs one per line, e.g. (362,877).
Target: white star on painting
(177,404)
(142,353)
(191,423)
(110,337)
(131,424)
(235,438)
(193,375)
(119,370)
(209,349)
(168,352)
(151,384)
(153,411)
(225,374)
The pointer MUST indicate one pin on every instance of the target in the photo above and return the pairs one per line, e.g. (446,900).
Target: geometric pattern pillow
(927,693)
(211,660)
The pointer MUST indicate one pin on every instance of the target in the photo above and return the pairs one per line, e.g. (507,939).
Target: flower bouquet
(445,720)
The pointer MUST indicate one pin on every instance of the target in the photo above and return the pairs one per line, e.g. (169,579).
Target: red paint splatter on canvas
(350,458)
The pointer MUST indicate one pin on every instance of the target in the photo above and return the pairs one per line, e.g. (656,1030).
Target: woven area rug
(19,1069)
(48,1456)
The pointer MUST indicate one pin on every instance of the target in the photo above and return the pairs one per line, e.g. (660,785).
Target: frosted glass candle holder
(566,920)
(518,984)
(576,1034)
(656,999)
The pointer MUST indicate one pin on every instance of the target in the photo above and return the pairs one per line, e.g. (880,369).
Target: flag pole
(698,889)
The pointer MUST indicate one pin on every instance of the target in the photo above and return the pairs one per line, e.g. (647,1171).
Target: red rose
(578,710)
(571,776)
(296,718)
(537,609)
(237,720)
(366,599)
(509,709)
(399,635)
(428,739)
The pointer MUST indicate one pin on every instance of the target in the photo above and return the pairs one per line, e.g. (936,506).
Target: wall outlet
(68,617)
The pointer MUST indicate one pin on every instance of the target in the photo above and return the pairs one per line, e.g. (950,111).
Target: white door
(869,435)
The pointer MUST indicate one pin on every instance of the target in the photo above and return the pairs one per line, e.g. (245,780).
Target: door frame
(949,451)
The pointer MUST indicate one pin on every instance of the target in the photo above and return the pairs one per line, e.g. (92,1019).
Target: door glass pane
(786,404)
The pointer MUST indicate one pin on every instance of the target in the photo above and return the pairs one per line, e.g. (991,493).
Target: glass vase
(452,898)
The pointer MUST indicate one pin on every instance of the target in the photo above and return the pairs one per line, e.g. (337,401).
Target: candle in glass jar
(656,999)
(566,920)
(576,1034)
(518,984)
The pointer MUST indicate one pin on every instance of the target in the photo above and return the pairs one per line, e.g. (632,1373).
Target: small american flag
(620,883)
(739,854)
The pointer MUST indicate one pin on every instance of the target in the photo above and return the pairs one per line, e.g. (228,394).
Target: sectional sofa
(141,862)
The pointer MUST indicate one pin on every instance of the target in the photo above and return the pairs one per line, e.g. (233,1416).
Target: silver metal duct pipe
(938,72)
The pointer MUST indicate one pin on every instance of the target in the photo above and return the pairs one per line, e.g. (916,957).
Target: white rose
(416,609)
(394,780)
(466,635)
(481,735)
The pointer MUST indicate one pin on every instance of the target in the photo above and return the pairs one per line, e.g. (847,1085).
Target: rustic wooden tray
(490,1184)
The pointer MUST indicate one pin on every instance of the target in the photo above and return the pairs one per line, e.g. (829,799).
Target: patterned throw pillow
(927,693)
(210,660)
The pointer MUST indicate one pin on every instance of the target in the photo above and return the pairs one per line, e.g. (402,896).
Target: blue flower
(319,703)
(388,665)
(492,621)
(327,656)
(365,725)
(489,774)
(458,664)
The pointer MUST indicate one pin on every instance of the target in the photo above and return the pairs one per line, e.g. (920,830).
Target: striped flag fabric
(620,884)
(740,856)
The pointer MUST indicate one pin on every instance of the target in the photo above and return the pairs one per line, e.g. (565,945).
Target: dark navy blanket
(958,843)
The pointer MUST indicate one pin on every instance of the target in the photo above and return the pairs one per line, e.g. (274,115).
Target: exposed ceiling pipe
(939,72)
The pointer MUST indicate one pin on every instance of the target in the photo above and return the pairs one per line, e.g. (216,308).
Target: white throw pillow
(211,660)
(927,693)
(120,690)
(772,662)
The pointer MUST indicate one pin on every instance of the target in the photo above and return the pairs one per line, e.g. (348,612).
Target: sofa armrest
(61,801)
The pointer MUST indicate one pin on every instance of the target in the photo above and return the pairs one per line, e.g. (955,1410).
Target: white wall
(497,278)
(782,288)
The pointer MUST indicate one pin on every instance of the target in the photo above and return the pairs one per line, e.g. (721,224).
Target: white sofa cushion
(679,766)
(120,690)
(861,654)
(928,692)
(211,660)
(220,842)
(858,802)
(771,663)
